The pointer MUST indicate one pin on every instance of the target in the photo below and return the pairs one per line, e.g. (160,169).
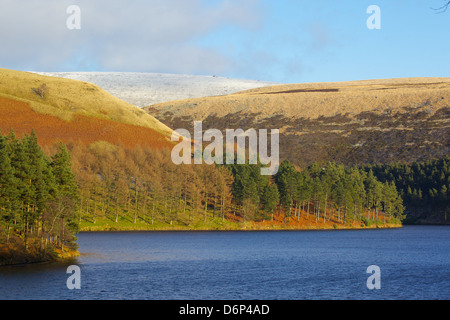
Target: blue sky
(283,41)
(313,41)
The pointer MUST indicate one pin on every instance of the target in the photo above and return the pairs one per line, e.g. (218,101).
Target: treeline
(332,192)
(45,196)
(38,195)
(144,185)
(424,186)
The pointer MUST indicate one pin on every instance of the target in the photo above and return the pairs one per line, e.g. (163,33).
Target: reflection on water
(289,265)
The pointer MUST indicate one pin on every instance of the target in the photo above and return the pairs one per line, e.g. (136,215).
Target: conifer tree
(8,192)
(270,199)
(62,209)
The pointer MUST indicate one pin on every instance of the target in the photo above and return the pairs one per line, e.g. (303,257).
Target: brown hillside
(313,100)
(66,99)
(353,122)
(20,117)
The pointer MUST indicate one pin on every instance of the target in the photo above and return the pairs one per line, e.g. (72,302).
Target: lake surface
(414,263)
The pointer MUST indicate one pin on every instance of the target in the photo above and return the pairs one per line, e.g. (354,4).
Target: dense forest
(47,193)
(329,192)
(143,185)
(38,196)
(424,187)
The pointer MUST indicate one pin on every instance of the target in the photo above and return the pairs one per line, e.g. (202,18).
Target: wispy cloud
(138,35)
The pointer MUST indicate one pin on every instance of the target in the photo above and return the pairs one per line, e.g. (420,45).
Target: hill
(357,122)
(142,89)
(68,110)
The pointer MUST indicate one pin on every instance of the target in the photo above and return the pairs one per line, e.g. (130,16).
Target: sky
(287,41)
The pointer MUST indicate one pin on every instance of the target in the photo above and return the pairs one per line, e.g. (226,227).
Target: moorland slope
(356,122)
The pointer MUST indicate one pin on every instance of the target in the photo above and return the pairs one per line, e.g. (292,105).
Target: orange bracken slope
(20,117)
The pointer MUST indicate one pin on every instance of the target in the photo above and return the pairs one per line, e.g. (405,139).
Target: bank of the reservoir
(16,252)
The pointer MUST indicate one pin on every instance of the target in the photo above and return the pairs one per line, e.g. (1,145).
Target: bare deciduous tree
(443,8)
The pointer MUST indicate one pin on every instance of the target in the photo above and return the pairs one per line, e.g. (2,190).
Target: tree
(442,8)
(224,183)
(66,197)
(286,180)
(270,199)
(418,184)
(41,175)
(285,194)
(8,192)
(250,200)
(26,171)
(37,194)
(245,188)
(62,170)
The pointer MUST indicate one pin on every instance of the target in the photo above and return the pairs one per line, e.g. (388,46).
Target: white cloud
(137,35)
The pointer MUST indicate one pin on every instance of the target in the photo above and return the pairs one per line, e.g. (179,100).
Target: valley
(351,155)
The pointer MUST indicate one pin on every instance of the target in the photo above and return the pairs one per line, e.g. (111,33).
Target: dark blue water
(414,263)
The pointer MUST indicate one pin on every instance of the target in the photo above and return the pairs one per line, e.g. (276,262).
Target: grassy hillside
(67,110)
(353,122)
(314,100)
(66,98)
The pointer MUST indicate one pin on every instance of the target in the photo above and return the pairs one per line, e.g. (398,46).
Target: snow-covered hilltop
(145,89)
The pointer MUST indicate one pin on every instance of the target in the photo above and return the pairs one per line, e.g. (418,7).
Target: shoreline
(231,222)
(12,256)
(108,229)
(18,259)
(233,230)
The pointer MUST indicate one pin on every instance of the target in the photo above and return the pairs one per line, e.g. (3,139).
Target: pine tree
(270,199)
(40,175)
(8,192)
(24,173)
(63,208)
(286,180)
(62,170)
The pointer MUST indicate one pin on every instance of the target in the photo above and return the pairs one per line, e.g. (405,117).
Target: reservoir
(413,262)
